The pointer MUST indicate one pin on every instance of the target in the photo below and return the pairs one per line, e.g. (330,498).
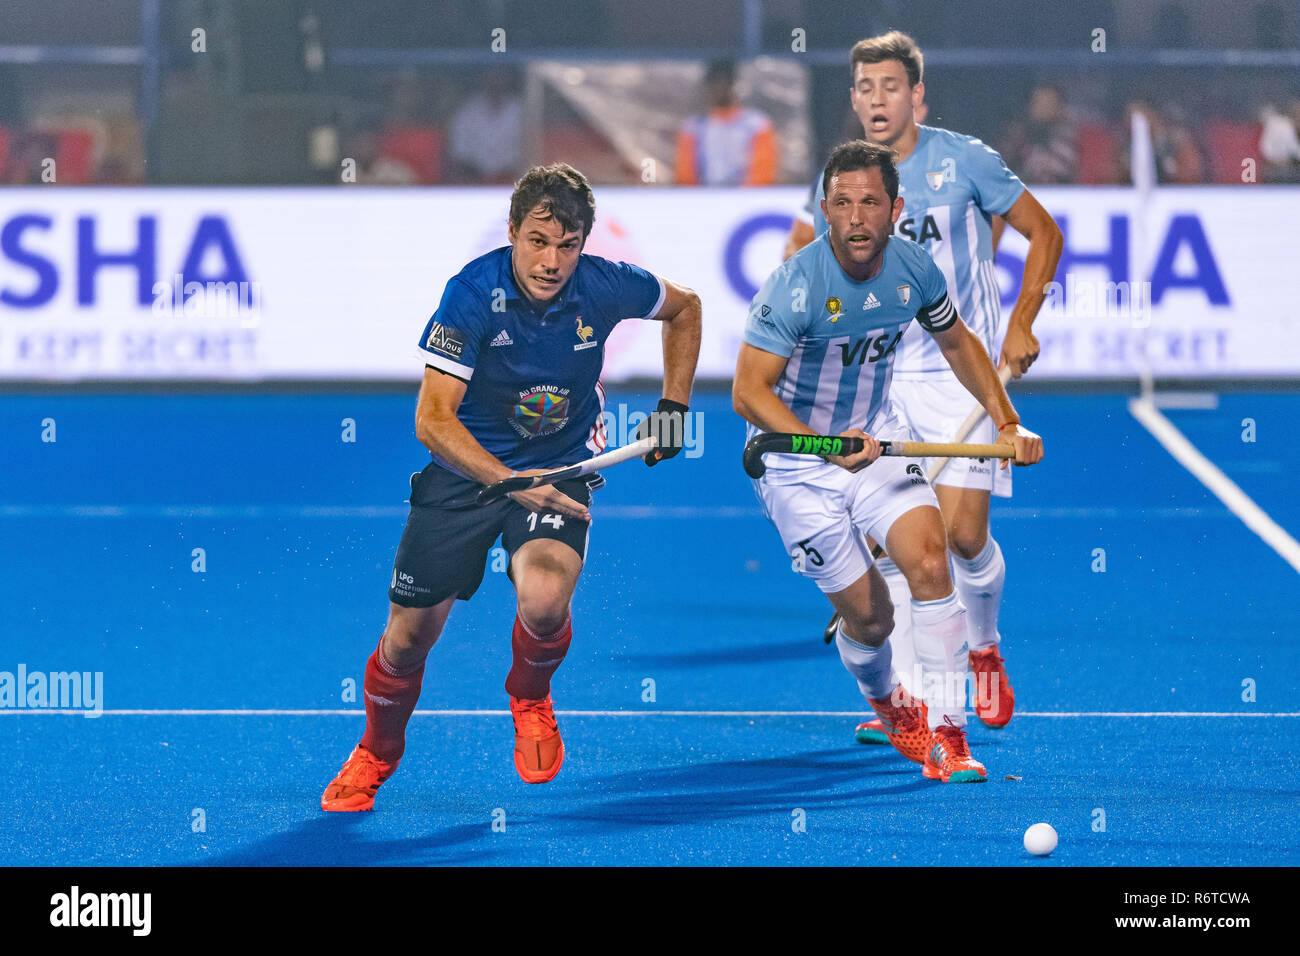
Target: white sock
(900,640)
(939,634)
(871,666)
(979,582)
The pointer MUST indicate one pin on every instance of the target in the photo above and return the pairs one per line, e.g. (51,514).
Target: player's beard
(863,255)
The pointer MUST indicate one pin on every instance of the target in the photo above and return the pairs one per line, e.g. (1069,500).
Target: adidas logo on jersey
(871,303)
(503,338)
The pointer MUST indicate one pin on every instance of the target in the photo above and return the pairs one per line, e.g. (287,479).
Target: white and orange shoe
(539,751)
(871,732)
(904,725)
(949,759)
(354,787)
(994,698)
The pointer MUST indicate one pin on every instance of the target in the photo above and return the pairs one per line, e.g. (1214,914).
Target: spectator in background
(728,145)
(486,136)
(1177,159)
(28,151)
(373,167)
(1279,143)
(1043,147)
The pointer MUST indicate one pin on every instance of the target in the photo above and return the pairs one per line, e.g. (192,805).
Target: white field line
(356,712)
(1189,456)
(1201,401)
(612,512)
(229,512)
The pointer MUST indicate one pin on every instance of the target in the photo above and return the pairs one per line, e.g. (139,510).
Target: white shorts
(823,515)
(932,409)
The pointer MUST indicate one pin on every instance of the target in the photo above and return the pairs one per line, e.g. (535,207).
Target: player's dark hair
(894,45)
(721,69)
(563,193)
(859,154)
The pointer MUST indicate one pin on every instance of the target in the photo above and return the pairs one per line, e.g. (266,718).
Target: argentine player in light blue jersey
(820,350)
(956,194)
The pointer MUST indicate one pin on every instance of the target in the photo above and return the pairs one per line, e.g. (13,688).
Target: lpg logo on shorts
(404,585)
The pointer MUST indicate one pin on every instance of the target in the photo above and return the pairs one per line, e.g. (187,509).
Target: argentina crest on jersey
(935,180)
(904,294)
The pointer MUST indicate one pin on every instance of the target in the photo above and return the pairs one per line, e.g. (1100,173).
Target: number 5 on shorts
(810,556)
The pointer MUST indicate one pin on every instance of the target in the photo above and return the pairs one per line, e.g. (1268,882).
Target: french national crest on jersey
(584,333)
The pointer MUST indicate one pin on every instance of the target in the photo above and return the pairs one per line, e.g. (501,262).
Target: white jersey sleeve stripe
(447,365)
(659,302)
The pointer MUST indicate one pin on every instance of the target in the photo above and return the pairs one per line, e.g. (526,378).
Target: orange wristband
(1000,427)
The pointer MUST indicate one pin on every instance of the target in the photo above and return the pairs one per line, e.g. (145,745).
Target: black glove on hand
(667,423)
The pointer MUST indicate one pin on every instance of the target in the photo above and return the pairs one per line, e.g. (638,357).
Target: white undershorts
(932,409)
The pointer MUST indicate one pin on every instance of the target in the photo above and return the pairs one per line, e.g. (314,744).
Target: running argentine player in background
(956,192)
(512,357)
(819,352)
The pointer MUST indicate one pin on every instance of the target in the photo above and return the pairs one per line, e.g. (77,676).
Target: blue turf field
(686,585)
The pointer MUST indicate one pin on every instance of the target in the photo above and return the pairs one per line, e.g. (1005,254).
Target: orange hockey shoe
(354,788)
(539,751)
(871,732)
(949,759)
(994,698)
(903,725)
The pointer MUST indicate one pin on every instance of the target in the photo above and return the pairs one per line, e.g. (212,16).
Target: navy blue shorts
(447,540)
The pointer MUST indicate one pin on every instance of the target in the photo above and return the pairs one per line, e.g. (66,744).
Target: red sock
(390,699)
(536,658)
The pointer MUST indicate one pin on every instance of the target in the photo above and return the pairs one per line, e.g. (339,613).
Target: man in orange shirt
(729,145)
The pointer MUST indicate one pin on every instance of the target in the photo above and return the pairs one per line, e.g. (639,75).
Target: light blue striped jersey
(841,336)
(951,186)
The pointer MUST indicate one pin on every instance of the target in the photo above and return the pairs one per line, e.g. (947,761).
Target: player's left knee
(544,606)
(967,541)
(931,569)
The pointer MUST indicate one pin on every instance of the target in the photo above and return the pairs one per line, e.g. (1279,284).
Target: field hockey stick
(499,489)
(786,443)
(974,418)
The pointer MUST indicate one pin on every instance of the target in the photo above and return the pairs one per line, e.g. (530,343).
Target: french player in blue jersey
(512,359)
(956,193)
(819,352)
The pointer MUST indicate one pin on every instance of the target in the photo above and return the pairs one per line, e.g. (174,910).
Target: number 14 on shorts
(555,521)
